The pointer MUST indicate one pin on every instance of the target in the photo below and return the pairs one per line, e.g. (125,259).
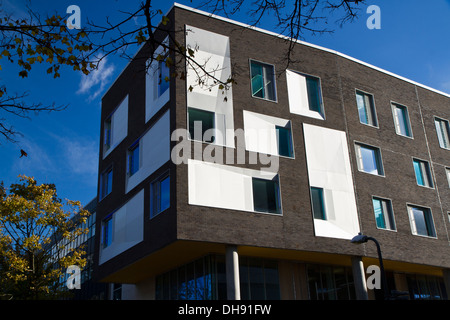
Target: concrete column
(359,278)
(446,274)
(232,273)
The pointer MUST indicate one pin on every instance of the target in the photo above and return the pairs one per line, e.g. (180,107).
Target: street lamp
(360,238)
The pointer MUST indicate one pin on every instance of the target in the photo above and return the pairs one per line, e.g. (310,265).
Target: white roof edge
(182,6)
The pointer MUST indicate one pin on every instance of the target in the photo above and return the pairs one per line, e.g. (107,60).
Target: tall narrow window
(384,216)
(107,230)
(106,182)
(262,80)
(266,195)
(423,173)
(447,171)
(107,134)
(201,125)
(160,195)
(284,137)
(314,94)
(318,204)
(421,221)
(443,132)
(369,159)
(401,120)
(163,77)
(366,108)
(133,159)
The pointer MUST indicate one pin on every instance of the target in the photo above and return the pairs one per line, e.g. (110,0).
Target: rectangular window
(107,134)
(284,138)
(262,80)
(160,195)
(106,182)
(384,216)
(421,221)
(163,77)
(314,94)
(369,159)
(401,120)
(318,204)
(423,173)
(133,159)
(366,108)
(447,170)
(107,230)
(266,195)
(443,132)
(201,125)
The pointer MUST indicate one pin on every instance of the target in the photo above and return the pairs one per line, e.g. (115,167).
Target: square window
(423,173)
(384,216)
(401,120)
(107,230)
(106,182)
(284,138)
(443,132)
(369,159)
(160,195)
(421,221)
(133,159)
(318,204)
(262,80)
(366,108)
(266,195)
(201,125)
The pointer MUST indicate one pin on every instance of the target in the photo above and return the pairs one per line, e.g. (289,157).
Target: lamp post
(360,238)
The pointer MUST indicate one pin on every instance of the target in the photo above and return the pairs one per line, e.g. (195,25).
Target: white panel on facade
(153,102)
(212,52)
(119,125)
(222,186)
(154,151)
(298,95)
(329,168)
(127,228)
(260,132)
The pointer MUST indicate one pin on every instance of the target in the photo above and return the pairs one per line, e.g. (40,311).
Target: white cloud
(95,82)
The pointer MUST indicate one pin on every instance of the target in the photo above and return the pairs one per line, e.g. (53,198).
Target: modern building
(255,192)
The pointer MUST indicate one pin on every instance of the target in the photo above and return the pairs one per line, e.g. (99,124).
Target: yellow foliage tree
(38,236)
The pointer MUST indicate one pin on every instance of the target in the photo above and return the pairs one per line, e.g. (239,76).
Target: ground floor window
(205,279)
(330,283)
(422,287)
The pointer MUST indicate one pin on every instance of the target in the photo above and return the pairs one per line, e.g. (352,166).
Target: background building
(295,164)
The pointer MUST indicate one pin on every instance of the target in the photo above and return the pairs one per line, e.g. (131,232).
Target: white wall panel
(127,228)
(298,95)
(222,186)
(154,151)
(119,125)
(329,168)
(212,52)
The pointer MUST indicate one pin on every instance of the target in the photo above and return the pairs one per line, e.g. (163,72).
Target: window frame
(264,80)
(107,133)
(447,128)
(359,157)
(389,214)
(447,173)
(427,175)
(373,109)
(155,191)
(106,231)
(130,152)
(159,76)
(412,220)
(214,126)
(407,119)
(291,142)
(276,180)
(102,194)
(322,203)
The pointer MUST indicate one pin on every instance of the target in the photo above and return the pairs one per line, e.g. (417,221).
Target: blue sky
(63,146)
